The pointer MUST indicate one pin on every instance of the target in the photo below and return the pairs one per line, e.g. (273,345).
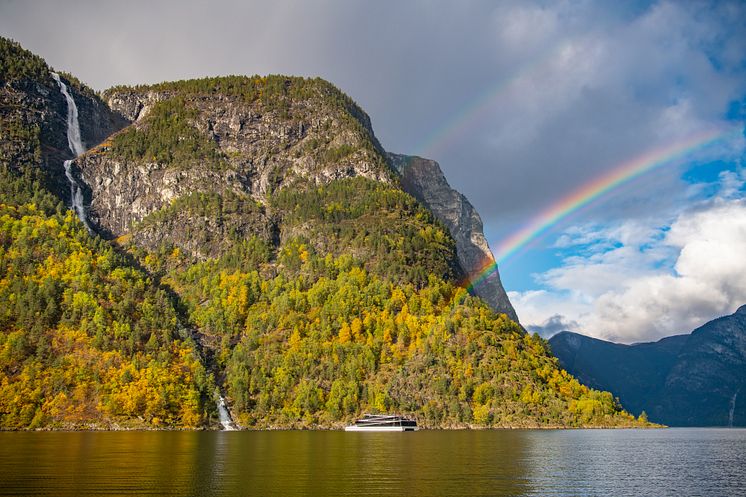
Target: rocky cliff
(423,179)
(249,136)
(684,380)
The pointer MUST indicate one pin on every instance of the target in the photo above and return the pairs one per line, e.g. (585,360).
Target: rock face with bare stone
(313,136)
(423,179)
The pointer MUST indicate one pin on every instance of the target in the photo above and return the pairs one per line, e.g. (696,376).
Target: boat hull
(381,428)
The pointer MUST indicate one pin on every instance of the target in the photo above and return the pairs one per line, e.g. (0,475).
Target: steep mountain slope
(262,213)
(86,340)
(423,179)
(684,380)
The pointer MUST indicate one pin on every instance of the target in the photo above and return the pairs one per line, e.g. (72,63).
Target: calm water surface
(678,462)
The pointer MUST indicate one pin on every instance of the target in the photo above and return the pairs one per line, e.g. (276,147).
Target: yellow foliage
(482,415)
(344,333)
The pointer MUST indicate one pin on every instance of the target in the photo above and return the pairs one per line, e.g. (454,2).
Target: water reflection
(467,463)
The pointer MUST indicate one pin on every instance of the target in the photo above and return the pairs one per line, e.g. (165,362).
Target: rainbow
(442,137)
(479,108)
(619,175)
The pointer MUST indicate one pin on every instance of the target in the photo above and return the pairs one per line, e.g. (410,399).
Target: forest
(357,311)
(86,339)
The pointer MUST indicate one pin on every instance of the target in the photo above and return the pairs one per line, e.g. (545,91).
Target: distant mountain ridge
(684,380)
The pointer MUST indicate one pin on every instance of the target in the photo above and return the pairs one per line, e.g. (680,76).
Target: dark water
(678,462)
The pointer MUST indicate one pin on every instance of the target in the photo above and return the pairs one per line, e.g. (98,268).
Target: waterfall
(732,408)
(225,417)
(76,147)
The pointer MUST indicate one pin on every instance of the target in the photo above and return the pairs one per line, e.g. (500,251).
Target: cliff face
(423,179)
(97,120)
(686,380)
(285,132)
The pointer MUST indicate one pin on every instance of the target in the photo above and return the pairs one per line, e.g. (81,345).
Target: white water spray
(76,147)
(732,408)
(225,417)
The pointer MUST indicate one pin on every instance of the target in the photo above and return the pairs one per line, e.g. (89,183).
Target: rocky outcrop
(134,105)
(311,137)
(685,380)
(423,179)
(123,194)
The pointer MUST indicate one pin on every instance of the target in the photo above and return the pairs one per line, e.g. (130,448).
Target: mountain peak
(741,310)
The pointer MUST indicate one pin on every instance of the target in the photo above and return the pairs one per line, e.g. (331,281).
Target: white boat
(383,422)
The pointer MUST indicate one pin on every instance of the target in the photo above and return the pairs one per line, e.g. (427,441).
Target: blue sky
(528,100)
(702,178)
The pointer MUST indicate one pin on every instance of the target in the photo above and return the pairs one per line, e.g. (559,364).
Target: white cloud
(525,27)
(553,325)
(654,282)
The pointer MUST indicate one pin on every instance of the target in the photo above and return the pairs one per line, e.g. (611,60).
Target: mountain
(250,242)
(634,373)
(683,380)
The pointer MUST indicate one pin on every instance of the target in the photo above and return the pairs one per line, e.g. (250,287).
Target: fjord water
(677,462)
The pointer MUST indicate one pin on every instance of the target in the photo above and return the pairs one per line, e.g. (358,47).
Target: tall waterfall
(225,417)
(76,147)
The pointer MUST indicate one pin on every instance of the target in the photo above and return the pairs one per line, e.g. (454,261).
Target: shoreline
(341,428)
